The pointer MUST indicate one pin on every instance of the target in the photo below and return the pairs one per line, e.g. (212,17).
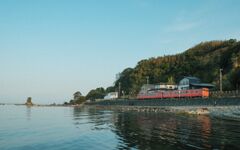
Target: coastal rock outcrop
(29,102)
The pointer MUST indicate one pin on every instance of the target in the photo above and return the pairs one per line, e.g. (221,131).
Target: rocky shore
(225,112)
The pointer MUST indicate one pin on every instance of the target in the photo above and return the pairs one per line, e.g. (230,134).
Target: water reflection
(97,119)
(28,112)
(146,131)
(77,113)
(134,130)
(169,131)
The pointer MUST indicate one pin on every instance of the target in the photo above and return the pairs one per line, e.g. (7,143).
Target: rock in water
(29,102)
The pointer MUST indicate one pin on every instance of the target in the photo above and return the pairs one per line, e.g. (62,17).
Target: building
(111,95)
(192,83)
(146,88)
(163,86)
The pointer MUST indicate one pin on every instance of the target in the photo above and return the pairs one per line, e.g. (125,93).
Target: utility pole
(119,89)
(235,63)
(237,88)
(220,81)
(147,80)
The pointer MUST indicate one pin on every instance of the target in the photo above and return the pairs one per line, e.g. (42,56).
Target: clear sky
(51,48)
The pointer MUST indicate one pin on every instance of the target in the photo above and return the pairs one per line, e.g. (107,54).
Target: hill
(203,60)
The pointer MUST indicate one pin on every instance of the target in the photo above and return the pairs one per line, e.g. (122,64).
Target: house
(192,83)
(148,88)
(164,86)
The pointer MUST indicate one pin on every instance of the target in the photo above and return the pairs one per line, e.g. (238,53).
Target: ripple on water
(89,128)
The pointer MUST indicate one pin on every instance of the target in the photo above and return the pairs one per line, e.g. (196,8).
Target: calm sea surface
(67,128)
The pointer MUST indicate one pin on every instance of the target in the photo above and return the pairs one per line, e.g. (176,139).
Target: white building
(111,95)
(166,86)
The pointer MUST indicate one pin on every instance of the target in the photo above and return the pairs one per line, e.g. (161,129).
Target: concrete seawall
(225,108)
(172,102)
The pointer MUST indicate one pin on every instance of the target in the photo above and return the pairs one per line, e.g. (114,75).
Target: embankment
(171,102)
(225,108)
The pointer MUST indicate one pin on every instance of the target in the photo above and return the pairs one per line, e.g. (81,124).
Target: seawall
(172,102)
(224,108)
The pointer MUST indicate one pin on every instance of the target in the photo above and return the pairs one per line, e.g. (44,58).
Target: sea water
(72,128)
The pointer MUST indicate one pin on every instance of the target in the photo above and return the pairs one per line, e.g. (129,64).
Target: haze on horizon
(51,49)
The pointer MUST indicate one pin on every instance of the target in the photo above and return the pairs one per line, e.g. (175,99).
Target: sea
(93,128)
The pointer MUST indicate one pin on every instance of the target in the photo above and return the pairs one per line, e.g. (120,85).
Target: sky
(50,49)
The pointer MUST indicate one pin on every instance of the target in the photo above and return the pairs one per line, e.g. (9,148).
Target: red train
(161,94)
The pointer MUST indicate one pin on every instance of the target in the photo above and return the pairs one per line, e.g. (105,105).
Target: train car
(164,94)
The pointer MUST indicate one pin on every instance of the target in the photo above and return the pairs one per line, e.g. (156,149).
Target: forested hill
(203,60)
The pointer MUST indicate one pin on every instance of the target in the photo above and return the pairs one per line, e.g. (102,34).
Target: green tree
(110,89)
(97,93)
(203,60)
(234,78)
(77,99)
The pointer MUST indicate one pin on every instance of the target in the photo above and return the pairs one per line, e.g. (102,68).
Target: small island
(29,102)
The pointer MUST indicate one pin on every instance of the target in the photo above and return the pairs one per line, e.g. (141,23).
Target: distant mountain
(203,60)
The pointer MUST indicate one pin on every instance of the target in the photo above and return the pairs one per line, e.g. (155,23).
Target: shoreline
(227,112)
(222,112)
(42,105)
(224,108)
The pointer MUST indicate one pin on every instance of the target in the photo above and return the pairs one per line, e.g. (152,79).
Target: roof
(192,78)
(202,85)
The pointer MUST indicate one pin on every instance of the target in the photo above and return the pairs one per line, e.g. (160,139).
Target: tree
(80,100)
(203,60)
(110,89)
(77,98)
(97,93)
(76,95)
(171,80)
(126,80)
(234,78)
